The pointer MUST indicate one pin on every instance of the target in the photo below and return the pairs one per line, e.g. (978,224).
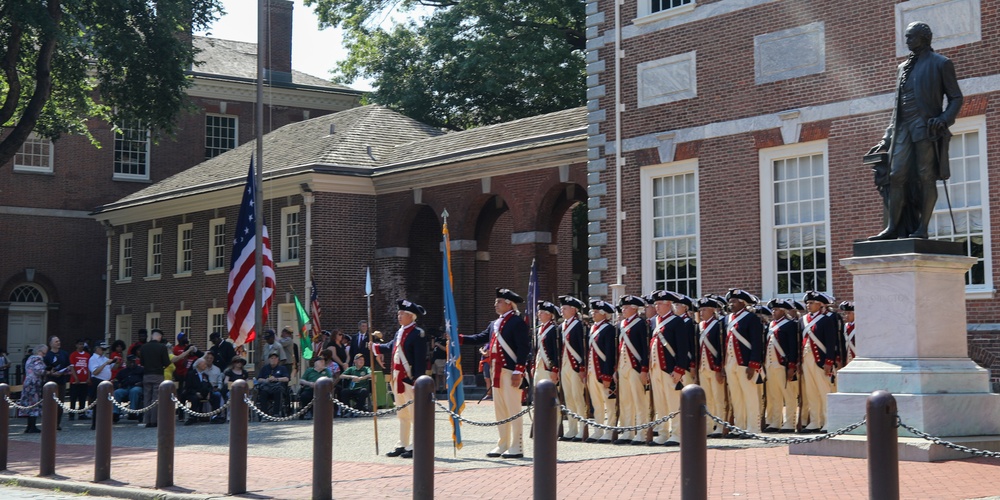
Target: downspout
(618,287)
(110,231)
(308,198)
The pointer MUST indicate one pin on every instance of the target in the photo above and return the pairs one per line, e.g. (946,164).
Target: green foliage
(465,63)
(65,62)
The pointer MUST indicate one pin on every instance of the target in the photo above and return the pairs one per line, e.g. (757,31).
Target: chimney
(278,44)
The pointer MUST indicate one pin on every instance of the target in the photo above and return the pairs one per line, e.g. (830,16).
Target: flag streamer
(456,391)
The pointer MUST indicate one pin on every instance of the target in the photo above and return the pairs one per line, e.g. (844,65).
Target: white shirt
(96,361)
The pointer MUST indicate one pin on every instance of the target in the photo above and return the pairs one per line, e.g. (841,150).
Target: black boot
(895,212)
(32,429)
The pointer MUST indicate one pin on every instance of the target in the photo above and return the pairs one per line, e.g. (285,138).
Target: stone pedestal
(911,341)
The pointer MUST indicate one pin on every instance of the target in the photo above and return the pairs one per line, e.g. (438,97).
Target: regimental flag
(530,316)
(314,310)
(305,342)
(240,298)
(456,391)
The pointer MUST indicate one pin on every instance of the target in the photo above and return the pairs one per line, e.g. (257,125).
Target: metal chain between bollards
(632,428)
(67,409)
(948,444)
(775,440)
(380,413)
(196,414)
(14,404)
(125,408)
(269,418)
(482,424)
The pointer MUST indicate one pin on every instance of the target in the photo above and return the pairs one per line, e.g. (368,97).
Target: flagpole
(258,281)
(371,354)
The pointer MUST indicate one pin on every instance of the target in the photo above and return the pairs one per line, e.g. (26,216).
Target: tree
(67,61)
(467,62)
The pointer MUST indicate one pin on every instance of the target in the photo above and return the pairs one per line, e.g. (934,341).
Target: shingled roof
(231,59)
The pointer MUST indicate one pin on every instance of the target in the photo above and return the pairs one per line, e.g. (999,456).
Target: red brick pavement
(764,473)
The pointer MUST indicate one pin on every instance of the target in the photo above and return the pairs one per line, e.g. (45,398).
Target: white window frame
(125,264)
(962,126)
(153,321)
(154,250)
(46,147)
(214,245)
(180,318)
(181,228)
(286,248)
(144,176)
(768,246)
(647,175)
(645,14)
(236,134)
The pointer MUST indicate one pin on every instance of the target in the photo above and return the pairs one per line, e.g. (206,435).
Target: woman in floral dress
(31,393)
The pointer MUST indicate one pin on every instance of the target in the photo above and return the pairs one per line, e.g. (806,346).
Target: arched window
(26,294)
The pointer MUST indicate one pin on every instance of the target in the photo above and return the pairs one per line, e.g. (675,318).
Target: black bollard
(239,420)
(546,435)
(323,439)
(104,417)
(50,419)
(694,444)
(423,438)
(4,424)
(166,427)
(883,453)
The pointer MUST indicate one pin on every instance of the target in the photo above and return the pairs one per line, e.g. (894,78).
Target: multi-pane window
(217,245)
(131,150)
(220,135)
(183,321)
(35,155)
(967,189)
(675,233)
(799,231)
(154,256)
(658,5)
(152,321)
(290,234)
(184,247)
(125,256)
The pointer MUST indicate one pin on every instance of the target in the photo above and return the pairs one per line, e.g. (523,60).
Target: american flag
(240,300)
(315,310)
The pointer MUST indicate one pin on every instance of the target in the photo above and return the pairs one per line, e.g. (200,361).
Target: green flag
(304,341)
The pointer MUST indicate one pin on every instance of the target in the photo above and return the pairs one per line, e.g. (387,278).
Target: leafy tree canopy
(465,62)
(67,61)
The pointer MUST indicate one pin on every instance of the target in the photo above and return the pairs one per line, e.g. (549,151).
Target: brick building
(52,253)
(739,137)
(360,188)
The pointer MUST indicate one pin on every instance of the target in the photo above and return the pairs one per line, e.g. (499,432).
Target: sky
(314,51)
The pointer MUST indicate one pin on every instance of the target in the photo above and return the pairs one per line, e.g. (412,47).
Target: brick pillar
(278,45)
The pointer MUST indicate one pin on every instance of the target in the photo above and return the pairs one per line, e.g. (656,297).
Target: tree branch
(9,67)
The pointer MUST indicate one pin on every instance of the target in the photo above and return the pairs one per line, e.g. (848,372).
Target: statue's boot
(895,213)
(926,210)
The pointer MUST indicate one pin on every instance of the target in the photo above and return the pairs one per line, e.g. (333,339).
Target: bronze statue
(917,137)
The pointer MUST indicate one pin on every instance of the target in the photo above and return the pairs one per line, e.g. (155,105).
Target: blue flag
(456,392)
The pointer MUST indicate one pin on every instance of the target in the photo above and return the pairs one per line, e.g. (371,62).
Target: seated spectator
(359,382)
(271,382)
(309,378)
(128,384)
(213,372)
(199,389)
(234,373)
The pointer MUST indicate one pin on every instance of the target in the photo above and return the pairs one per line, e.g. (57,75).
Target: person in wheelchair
(357,383)
(308,381)
(271,383)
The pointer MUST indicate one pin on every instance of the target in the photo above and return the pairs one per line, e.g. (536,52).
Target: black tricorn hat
(782,303)
(658,295)
(505,293)
(630,300)
(600,305)
(818,297)
(709,301)
(406,305)
(846,306)
(680,298)
(544,305)
(745,296)
(569,300)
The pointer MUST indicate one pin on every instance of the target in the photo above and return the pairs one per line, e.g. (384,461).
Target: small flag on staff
(529,308)
(314,310)
(304,341)
(456,391)
(240,298)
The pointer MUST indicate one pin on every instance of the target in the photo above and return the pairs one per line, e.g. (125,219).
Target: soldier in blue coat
(781,357)
(633,368)
(819,355)
(601,366)
(668,362)
(573,375)
(744,353)
(509,349)
(709,363)
(408,361)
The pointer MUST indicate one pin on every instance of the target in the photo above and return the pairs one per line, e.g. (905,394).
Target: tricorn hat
(680,298)
(708,301)
(846,306)
(782,303)
(818,297)
(544,305)
(505,293)
(406,305)
(745,296)
(658,295)
(600,305)
(569,300)
(762,309)
(630,300)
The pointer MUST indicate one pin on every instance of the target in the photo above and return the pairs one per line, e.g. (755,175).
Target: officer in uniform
(509,349)
(847,342)
(408,361)
(633,368)
(781,357)
(743,357)
(668,363)
(819,354)
(548,359)
(709,363)
(601,366)
(573,374)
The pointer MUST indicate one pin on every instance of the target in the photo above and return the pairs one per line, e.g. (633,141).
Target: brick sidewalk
(764,473)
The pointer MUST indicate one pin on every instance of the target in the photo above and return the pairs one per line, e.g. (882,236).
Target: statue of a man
(917,138)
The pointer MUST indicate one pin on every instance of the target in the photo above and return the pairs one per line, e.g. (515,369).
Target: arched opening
(424,266)
(494,258)
(567,221)
(27,320)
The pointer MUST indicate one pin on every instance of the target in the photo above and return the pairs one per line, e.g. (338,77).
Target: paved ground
(280,465)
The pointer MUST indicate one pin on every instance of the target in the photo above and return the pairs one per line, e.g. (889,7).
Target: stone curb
(97,489)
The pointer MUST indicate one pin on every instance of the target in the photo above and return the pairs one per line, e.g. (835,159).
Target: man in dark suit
(359,343)
(917,138)
(509,349)
(408,361)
